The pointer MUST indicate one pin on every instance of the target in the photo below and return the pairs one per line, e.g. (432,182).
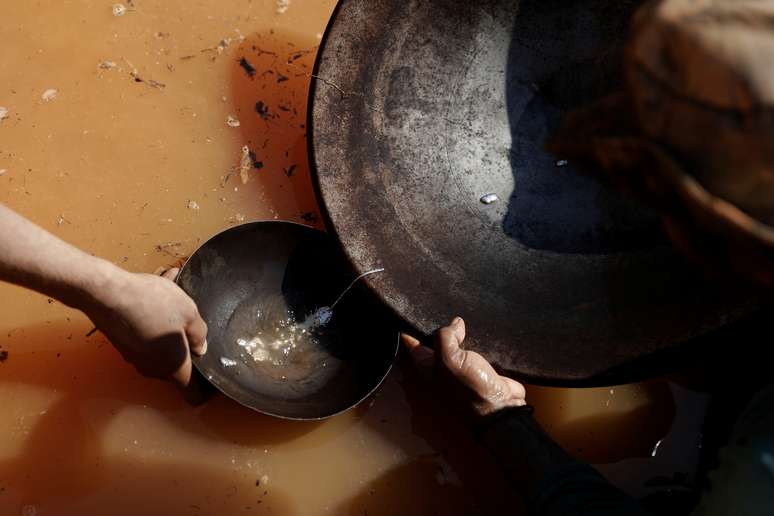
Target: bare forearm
(36,259)
(149,319)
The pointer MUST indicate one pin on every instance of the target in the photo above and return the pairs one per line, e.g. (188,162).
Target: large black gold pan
(420,109)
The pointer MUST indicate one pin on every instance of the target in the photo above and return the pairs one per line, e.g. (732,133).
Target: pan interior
(255,286)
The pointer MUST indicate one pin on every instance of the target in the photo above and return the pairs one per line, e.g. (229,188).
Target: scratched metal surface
(421,108)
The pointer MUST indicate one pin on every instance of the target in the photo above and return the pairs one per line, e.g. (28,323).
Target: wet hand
(469,377)
(152,323)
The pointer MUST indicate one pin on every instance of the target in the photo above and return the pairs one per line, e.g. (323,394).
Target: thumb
(449,342)
(170,274)
(197,336)
(420,355)
(182,376)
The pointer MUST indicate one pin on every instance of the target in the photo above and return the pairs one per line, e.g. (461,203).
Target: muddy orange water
(123,136)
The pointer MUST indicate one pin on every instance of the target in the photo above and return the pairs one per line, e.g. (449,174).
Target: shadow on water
(563,55)
(270,80)
(445,470)
(62,466)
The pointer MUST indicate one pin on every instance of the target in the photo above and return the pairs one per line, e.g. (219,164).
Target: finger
(449,339)
(409,342)
(197,336)
(171,274)
(169,353)
(458,325)
(517,390)
(198,389)
(182,375)
(420,355)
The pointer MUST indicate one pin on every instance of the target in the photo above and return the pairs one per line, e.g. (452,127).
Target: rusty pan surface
(419,109)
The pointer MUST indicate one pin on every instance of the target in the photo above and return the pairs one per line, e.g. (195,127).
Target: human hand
(151,322)
(474,382)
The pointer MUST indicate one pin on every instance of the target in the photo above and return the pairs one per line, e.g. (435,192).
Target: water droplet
(489,198)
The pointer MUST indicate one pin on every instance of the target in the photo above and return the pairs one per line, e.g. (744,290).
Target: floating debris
(119,9)
(107,65)
(170,249)
(489,198)
(155,84)
(3,171)
(281,78)
(228,362)
(3,355)
(282,6)
(219,48)
(290,170)
(262,109)
(49,95)
(136,76)
(298,54)
(239,217)
(3,113)
(309,216)
(245,164)
(193,205)
(258,165)
(561,163)
(232,121)
(247,67)
(222,45)
(224,180)
(167,245)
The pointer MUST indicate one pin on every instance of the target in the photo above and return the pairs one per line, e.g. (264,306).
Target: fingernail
(458,325)
(409,341)
(204,347)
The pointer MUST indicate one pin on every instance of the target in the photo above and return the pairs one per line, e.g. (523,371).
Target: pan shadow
(270,80)
(552,207)
(91,387)
(446,471)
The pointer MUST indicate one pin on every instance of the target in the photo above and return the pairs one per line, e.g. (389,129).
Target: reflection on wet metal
(322,316)
(489,198)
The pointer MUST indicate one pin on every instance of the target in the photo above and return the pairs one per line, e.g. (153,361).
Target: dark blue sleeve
(577,489)
(552,482)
